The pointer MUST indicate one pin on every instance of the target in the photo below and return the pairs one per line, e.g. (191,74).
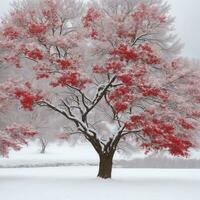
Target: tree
(15,135)
(112,73)
(12,135)
(47,125)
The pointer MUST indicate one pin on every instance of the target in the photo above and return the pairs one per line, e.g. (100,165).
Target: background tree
(114,75)
(47,124)
(44,122)
(11,136)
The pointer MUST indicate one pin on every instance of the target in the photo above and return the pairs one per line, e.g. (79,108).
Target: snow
(84,155)
(79,183)
(75,178)
(56,154)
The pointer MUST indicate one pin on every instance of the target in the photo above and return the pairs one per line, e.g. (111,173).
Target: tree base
(105,166)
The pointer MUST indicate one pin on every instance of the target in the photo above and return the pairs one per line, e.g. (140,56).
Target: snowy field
(27,174)
(79,183)
(84,155)
(56,154)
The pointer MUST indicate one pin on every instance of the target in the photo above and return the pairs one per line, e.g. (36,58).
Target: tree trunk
(43,150)
(43,145)
(105,165)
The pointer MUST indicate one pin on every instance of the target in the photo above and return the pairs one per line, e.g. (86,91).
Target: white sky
(187,13)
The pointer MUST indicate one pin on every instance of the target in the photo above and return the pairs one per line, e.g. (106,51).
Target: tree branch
(98,98)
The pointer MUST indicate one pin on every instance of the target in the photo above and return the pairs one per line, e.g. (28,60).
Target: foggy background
(187,14)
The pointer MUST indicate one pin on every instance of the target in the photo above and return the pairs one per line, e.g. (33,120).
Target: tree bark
(43,150)
(105,165)
(43,145)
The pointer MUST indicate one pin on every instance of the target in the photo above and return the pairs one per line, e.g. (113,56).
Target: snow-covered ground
(79,183)
(56,154)
(83,154)
(75,178)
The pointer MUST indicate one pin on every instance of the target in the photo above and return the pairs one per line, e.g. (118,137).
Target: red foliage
(50,13)
(11,33)
(15,129)
(93,34)
(147,54)
(71,78)
(35,54)
(27,97)
(178,147)
(90,17)
(140,14)
(143,52)
(127,62)
(195,114)
(162,19)
(119,92)
(153,91)
(114,66)
(144,13)
(137,119)
(160,134)
(120,106)
(139,72)
(35,28)
(128,98)
(13,60)
(42,75)
(175,145)
(124,52)
(99,69)
(42,71)
(127,79)
(124,33)
(174,64)
(64,63)
(6,143)
(129,126)
(6,93)
(186,125)
(163,135)
(46,13)
(14,136)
